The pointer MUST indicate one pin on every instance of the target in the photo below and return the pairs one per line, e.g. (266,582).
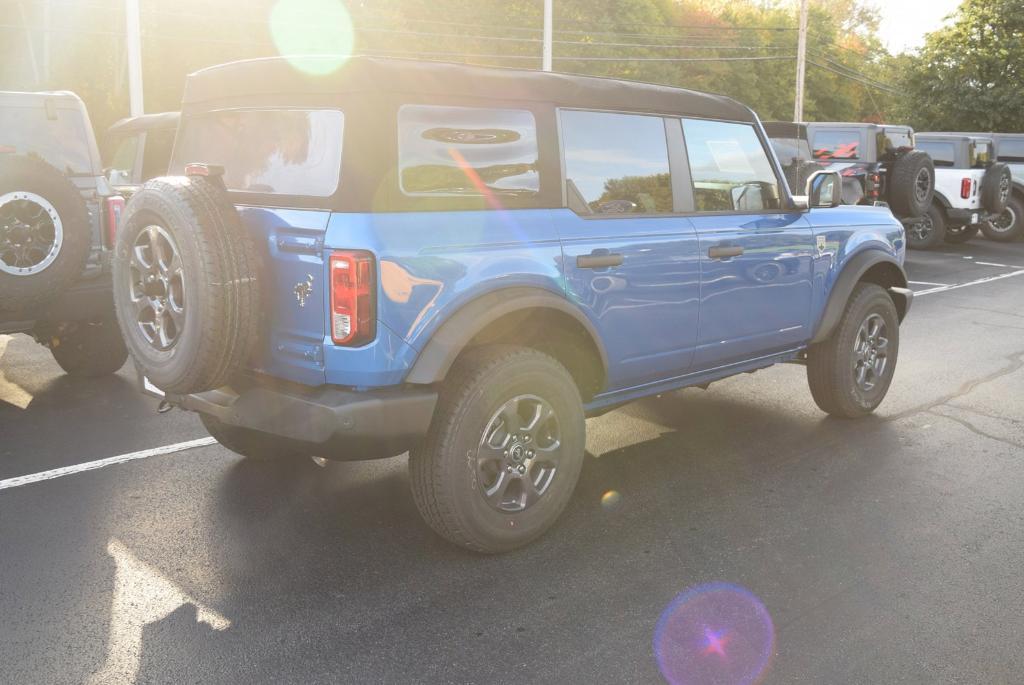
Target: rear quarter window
(1011,151)
(467,151)
(273,151)
(942,153)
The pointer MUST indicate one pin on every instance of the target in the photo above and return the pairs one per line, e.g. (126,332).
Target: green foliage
(970,75)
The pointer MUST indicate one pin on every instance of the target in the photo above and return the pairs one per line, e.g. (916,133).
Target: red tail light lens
(874,186)
(353,298)
(114,208)
(965,188)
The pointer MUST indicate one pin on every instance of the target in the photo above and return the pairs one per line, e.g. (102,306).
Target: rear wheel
(961,234)
(850,373)
(927,232)
(89,349)
(504,451)
(1007,226)
(253,444)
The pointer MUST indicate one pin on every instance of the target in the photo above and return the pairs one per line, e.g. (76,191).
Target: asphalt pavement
(884,550)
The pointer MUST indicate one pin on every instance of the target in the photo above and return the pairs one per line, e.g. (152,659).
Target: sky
(905,22)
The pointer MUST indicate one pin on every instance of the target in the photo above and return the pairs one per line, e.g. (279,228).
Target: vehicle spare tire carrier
(186,290)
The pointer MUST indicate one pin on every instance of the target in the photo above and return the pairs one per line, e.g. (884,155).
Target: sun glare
(316,36)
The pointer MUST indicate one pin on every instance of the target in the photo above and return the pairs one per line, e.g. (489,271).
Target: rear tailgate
(290,242)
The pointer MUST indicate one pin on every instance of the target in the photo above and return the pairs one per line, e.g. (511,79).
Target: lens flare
(611,500)
(315,36)
(717,633)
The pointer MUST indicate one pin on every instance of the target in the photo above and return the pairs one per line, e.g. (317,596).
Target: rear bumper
(966,217)
(343,424)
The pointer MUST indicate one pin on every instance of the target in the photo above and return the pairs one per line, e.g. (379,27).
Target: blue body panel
(669,316)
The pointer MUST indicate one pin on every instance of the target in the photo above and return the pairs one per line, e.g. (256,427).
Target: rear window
(943,154)
(63,142)
(467,151)
(616,163)
(836,145)
(275,151)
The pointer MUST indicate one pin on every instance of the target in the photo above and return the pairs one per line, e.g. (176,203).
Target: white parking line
(102,463)
(1002,266)
(980,281)
(925,283)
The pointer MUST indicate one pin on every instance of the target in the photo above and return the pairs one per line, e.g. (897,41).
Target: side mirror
(824,189)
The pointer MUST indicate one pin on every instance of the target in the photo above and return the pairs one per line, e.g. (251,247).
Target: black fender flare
(848,279)
(451,338)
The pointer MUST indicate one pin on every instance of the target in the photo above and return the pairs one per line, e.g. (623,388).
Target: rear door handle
(598,260)
(725,251)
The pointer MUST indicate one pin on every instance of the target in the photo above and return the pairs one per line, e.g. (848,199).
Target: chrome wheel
(157,287)
(870,352)
(922,184)
(31,233)
(518,454)
(1005,221)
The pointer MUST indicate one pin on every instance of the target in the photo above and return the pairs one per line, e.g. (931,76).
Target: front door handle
(598,260)
(725,251)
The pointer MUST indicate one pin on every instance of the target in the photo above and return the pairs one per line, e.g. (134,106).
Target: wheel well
(887,275)
(554,333)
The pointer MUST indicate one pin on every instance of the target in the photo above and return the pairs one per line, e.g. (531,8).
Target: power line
(877,86)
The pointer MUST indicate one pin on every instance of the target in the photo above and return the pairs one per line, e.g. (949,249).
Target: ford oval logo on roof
(471,136)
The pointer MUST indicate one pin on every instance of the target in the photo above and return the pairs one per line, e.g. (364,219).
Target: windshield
(277,151)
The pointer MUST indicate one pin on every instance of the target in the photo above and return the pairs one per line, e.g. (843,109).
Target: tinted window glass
(616,163)
(63,142)
(893,139)
(122,161)
(981,154)
(467,151)
(730,167)
(788,150)
(157,154)
(1011,151)
(280,151)
(943,154)
(836,145)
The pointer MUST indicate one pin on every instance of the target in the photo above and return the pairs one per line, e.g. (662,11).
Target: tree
(970,75)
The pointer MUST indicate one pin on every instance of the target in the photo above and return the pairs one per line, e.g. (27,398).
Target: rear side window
(943,154)
(467,151)
(616,163)
(981,154)
(1011,151)
(275,151)
(730,168)
(63,142)
(836,145)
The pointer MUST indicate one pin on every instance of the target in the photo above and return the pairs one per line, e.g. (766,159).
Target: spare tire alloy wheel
(923,186)
(1009,225)
(158,287)
(31,233)
(996,186)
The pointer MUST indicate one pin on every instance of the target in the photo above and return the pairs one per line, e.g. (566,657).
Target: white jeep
(971,188)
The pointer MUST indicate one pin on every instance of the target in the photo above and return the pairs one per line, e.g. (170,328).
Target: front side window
(616,163)
(943,154)
(275,151)
(836,145)
(122,161)
(467,151)
(730,169)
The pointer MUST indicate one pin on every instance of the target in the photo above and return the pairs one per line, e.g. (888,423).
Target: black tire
(996,186)
(911,184)
(832,365)
(45,234)
(928,231)
(254,444)
(448,481)
(191,331)
(89,349)
(1009,225)
(961,234)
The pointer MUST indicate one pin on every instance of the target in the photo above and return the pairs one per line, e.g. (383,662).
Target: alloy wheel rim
(157,287)
(923,228)
(519,453)
(1005,221)
(31,233)
(870,352)
(922,184)
(1004,189)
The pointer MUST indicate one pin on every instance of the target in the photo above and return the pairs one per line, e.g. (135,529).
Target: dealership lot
(885,550)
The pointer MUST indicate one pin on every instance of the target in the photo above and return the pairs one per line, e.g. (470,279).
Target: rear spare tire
(45,234)
(996,185)
(911,184)
(185,284)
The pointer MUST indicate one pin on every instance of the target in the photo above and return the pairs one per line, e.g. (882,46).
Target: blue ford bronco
(464,263)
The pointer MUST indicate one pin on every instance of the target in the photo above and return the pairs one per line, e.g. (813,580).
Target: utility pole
(801,64)
(47,30)
(133,36)
(547,35)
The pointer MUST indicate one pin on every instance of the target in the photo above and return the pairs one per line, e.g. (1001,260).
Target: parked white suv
(971,188)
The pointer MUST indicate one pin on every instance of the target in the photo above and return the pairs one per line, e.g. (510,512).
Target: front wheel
(504,451)
(850,373)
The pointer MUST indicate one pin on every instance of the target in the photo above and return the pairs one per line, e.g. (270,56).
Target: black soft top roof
(785,129)
(146,122)
(275,76)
